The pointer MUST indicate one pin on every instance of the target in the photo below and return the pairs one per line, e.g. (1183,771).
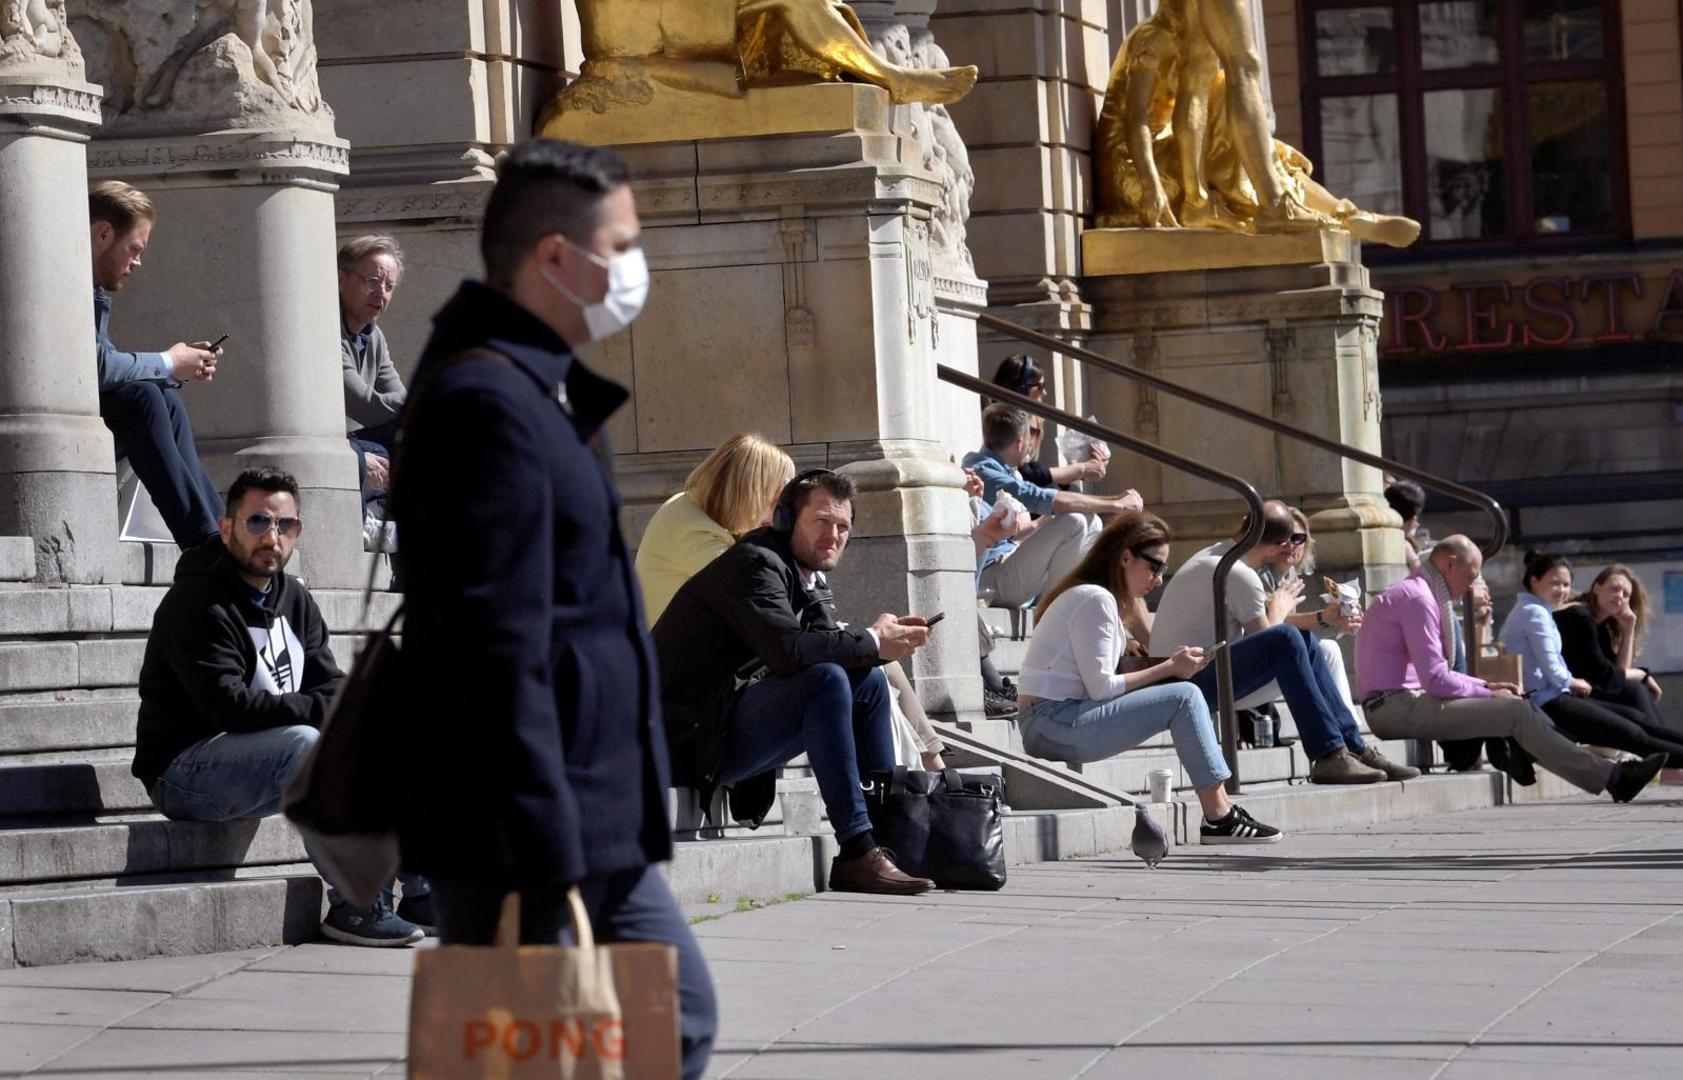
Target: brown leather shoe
(875,872)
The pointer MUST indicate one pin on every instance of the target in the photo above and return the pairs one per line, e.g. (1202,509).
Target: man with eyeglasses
(370,268)
(236,681)
(1275,652)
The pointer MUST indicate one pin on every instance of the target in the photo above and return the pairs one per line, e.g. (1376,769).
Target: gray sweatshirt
(374,392)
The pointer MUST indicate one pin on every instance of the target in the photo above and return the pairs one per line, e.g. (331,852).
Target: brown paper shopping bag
(513,1012)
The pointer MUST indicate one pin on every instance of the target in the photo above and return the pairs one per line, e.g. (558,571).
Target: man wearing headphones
(755,671)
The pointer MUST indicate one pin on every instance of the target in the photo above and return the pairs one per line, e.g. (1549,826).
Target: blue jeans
(233,777)
(1081,730)
(375,440)
(150,426)
(634,905)
(1291,657)
(839,717)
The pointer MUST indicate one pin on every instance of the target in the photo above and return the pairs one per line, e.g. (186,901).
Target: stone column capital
(224,158)
(49,103)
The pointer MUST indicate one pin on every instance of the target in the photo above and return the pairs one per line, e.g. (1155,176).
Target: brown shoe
(1339,767)
(875,872)
(1373,759)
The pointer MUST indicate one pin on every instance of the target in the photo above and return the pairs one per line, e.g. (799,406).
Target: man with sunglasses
(1275,652)
(236,681)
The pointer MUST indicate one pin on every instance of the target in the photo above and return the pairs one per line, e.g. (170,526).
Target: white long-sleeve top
(1076,646)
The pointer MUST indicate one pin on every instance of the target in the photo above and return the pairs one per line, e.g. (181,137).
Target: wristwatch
(1321,619)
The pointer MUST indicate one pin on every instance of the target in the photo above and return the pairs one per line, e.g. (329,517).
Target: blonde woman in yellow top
(730,493)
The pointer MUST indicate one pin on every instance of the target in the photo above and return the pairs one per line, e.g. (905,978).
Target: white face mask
(628,291)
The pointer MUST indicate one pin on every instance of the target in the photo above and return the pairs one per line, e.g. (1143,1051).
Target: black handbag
(344,799)
(946,826)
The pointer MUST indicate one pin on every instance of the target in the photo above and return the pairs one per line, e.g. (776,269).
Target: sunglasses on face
(1157,565)
(260,524)
(1296,540)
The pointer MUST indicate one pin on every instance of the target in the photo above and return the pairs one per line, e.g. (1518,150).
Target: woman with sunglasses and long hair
(1076,708)
(1019,373)
(1601,633)
(1530,632)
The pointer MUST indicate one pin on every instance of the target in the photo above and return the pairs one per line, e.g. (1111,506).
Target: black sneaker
(1238,827)
(1630,777)
(418,910)
(997,705)
(375,926)
(1509,757)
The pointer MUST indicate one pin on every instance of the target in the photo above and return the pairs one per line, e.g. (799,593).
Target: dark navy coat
(539,755)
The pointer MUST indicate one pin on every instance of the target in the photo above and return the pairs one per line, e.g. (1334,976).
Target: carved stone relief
(36,34)
(176,66)
(905,39)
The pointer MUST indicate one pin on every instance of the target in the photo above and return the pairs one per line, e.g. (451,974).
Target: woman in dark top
(1020,373)
(1600,637)
(1531,633)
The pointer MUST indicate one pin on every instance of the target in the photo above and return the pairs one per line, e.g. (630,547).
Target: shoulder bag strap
(398,437)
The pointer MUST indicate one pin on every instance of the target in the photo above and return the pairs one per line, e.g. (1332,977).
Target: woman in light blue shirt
(1530,632)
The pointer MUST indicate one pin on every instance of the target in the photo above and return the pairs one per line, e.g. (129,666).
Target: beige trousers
(1410,714)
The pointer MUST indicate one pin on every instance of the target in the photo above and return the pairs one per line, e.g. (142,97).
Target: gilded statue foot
(1290,215)
(931,86)
(1211,215)
(1382,228)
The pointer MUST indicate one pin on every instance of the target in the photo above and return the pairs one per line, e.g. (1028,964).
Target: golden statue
(1183,139)
(634,48)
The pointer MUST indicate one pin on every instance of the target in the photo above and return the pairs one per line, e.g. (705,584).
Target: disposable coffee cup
(802,813)
(1162,782)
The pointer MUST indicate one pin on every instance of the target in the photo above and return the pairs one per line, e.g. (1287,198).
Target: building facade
(1532,343)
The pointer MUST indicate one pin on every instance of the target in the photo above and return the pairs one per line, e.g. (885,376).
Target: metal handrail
(1498,516)
(1224,657)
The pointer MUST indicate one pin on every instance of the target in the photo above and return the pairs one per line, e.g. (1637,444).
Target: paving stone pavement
(1534,941)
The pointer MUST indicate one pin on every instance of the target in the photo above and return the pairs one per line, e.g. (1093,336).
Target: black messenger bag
(946,826)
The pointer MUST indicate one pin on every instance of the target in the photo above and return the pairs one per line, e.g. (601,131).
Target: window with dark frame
(1492,122)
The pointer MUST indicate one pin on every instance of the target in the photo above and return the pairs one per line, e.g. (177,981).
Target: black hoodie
(219,659)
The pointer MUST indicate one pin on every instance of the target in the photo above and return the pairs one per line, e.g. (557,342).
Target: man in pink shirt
(1409,691)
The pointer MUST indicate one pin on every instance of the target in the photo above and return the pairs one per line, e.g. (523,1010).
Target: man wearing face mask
(535,710)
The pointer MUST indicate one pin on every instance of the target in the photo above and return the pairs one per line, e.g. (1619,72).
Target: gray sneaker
(375,926)
(1340,767)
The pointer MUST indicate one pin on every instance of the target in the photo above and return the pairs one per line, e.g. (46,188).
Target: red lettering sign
(1560,312)
(1401,317)
(1671,307)
(558,1038)
(1485,314)
(1610,328)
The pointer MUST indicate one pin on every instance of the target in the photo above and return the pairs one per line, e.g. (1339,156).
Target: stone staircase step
(40,722)
(1128,772)
(140,844)
(61,665)
(1304,807)
(132,922)
(17,558)
(244,905)
(154,564)
(69,784)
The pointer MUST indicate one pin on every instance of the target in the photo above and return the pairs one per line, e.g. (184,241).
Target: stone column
(56,482)
(1293,336)
(224,126)
(426,100)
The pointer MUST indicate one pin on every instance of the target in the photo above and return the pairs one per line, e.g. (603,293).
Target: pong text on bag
(558,1039)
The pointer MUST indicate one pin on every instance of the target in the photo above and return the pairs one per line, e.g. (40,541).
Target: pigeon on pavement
(1148,842)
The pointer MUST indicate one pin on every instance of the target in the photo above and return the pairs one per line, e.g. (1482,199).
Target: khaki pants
(1410,714)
